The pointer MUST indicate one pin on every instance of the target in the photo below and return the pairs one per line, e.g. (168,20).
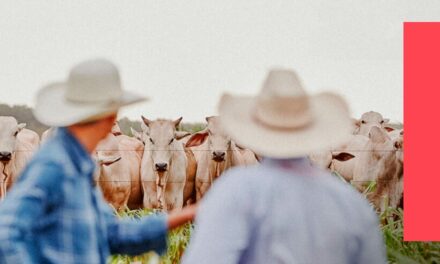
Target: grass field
(391,220)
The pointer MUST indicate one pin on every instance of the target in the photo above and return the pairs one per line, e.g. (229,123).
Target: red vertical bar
(422,133)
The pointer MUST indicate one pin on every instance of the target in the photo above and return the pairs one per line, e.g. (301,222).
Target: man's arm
(223,223)
(137,236)
(37,189)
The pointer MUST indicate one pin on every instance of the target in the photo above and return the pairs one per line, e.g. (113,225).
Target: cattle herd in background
(164,168)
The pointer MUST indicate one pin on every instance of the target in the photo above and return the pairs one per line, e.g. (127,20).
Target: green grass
(391,220)
(177,241)
(399,251)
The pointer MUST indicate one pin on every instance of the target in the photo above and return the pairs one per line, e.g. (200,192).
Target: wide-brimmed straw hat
(93,90)
(283,121)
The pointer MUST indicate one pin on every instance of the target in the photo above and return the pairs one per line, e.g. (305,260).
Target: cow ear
(377,135)
(21,126)
(177,122)
(343,156)
(181,134)
(109,161)
(389,129)
(197,139)
(208,117)
(147,122)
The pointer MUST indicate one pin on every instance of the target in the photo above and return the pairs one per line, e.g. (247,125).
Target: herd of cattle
(161,167)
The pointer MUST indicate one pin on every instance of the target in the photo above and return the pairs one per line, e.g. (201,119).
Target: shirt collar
(79,155)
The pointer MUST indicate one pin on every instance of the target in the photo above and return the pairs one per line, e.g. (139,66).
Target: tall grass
(398,251)
(177,241)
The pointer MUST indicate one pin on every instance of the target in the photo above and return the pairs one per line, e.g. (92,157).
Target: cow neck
(161,184)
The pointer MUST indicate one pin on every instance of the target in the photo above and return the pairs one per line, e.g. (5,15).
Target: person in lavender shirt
(284,210)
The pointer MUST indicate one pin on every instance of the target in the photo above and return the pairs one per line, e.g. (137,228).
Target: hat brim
(331,127)
(53,109)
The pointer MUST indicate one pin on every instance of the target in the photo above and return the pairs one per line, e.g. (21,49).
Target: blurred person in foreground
(54,213)
(284,210)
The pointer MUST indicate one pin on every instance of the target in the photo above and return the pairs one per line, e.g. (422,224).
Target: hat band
(290,113)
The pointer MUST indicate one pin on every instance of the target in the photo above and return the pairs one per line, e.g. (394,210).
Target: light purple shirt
(284,211)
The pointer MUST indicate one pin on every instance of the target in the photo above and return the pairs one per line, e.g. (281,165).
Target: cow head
(219,144)
(369,120)
(9,129)
(160,138)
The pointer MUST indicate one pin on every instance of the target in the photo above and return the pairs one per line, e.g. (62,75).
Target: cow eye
(151,140)
(171,141)
(16,133)
(381,122)
(363,122)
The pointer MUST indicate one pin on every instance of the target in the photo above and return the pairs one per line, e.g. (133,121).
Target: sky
(184,54)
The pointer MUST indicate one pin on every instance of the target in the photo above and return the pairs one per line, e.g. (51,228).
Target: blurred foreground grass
(398,251)
(402,252)
(177,241)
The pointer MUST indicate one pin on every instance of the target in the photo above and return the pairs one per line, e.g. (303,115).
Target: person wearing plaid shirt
(54,213)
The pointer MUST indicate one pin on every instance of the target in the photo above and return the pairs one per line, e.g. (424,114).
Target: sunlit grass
(391,220)
(177,241)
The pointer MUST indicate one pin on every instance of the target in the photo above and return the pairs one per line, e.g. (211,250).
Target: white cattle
(368,120)
(215,152)
(119,158)
(17,146)
(387,161)
(165,165)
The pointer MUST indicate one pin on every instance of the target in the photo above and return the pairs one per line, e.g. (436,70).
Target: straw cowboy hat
(93,90)
(283,121)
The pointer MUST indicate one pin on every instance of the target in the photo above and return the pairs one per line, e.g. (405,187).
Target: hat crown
(282,83)
(283,102)
(94,81)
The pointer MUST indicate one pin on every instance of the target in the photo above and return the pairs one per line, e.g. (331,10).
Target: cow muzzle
(5,156)
(218,156)
(161,167)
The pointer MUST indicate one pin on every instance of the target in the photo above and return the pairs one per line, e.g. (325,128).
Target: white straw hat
(92,91)
(283,121)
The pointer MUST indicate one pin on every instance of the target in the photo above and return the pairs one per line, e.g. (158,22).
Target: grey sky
(184,54)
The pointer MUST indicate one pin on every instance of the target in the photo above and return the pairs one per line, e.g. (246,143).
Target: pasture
(398,251)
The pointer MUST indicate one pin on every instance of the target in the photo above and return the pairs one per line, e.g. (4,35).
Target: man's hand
(179,217)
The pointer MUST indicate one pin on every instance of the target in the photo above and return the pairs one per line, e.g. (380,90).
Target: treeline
(24,114)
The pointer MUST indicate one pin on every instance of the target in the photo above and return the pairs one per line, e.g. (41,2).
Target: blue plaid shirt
(54,214)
